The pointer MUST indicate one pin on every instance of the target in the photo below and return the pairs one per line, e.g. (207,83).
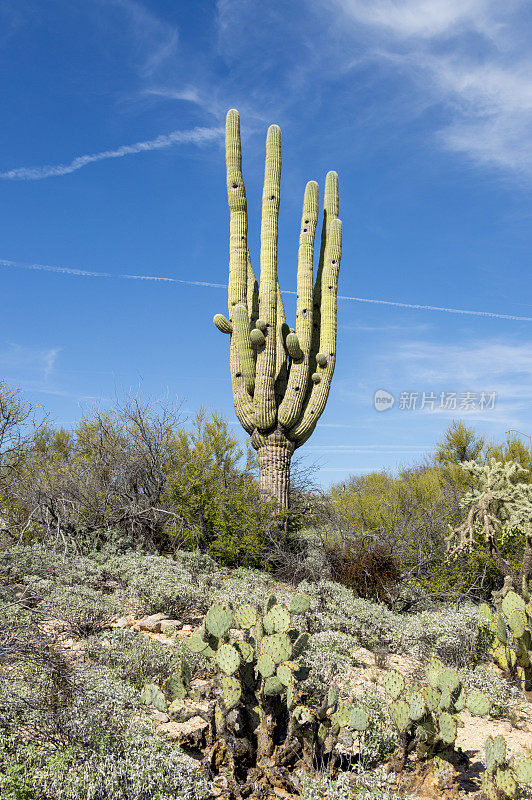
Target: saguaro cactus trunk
(280,376)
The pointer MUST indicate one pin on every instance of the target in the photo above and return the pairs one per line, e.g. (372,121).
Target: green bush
(217,495)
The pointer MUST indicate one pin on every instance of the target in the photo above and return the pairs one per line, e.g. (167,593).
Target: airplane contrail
(414,306)
(196,136)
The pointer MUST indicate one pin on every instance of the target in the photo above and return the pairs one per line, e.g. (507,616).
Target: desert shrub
(450,634)
(85,611)
(146,596)
(380,739)
(139,766)
(472,574)
(131,657)
(213,488)
(329,655)
(103,481)
(142,767)
(335,607)
(301,556)
(373,785)
(503,695)
(247,586)
(34,562)
(367,567)
(157,584)
(196,563)
(74,708)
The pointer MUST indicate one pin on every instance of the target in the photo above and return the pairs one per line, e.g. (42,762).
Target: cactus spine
(280,377)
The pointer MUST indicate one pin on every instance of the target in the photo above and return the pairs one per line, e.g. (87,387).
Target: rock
(188,627)
(160,716)
(168,625)
(123,622)
(148,625)
(156,617)
(152,624)
(192,732)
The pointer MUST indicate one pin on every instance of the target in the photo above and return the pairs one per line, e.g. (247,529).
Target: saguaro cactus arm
(265,405)
(241,276)
(294,398)
(281,377)
(328,286)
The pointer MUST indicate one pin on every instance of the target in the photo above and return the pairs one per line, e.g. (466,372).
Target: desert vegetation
(165,633)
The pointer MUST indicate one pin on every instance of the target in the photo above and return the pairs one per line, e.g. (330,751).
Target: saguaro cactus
(280,376)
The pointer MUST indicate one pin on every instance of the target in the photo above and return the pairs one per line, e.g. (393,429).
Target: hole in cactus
(329,287)
(235,186)
(334,263)
(304,230)
(304,312)
(331,355)
(238,374)
(306,222)
(272,197)
(296,388)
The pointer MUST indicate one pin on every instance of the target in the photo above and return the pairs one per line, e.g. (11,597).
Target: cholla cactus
(502,776)
(498,510)
(260,726)
(281,376)
(511,630)
(424,714)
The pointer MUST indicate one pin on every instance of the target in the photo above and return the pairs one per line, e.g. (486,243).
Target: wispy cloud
(487,365)
(198,136)
(154,40)
(29,362)
(81,273)
(425,19)
(471,56)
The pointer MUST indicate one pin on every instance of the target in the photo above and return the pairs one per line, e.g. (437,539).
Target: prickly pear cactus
(280,376)
(260,720)
(511,637)
(170,696)
(424,715)
(502,776)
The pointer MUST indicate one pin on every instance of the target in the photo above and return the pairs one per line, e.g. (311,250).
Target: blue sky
(112,164)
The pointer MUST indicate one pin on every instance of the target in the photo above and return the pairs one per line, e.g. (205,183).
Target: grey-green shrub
(132,657)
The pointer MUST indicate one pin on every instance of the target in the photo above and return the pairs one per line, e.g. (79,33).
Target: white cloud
(197,136)
(154,40)
(420,18)
(29,362)
(504,367)
(471,56)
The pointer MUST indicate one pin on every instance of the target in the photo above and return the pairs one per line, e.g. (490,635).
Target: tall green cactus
(280,376)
